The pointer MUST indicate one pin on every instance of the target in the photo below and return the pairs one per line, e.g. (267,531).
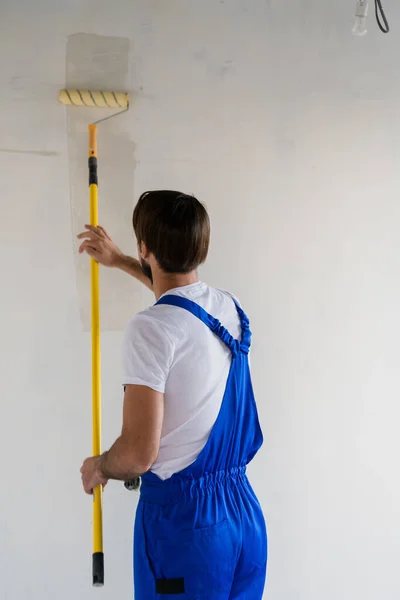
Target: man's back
(171,351)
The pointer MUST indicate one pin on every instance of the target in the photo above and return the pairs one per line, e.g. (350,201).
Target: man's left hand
(91,474)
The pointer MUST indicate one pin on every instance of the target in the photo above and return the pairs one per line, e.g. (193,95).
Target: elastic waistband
(180,487)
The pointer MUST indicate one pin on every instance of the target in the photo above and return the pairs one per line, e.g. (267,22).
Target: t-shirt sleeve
(147,353)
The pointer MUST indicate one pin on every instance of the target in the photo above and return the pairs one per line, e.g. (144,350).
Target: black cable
(381,17)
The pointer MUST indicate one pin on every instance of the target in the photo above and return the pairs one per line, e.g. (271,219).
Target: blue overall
(201,533)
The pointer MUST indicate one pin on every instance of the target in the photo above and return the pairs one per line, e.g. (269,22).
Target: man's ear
(143,251)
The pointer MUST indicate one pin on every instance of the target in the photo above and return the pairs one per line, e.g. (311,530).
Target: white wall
(288,128)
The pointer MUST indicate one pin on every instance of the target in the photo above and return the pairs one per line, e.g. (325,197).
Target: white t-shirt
(170,350)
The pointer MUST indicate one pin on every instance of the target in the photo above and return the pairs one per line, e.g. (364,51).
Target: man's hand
(98,244)
(91,474)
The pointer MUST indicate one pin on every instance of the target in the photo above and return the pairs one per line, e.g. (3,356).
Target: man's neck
(163,282)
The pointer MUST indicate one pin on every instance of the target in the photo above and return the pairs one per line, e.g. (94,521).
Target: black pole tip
(98,569)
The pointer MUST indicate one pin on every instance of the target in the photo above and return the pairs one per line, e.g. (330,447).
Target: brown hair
(175,227)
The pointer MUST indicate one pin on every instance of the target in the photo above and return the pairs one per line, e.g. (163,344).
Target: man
(190,422)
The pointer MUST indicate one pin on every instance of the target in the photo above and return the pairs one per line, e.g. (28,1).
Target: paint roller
(120,101)
(98,99)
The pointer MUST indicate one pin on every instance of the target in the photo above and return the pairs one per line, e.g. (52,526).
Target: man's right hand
(98,244)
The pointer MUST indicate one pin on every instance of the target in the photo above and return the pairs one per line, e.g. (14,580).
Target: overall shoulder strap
(211,322)
(245,326)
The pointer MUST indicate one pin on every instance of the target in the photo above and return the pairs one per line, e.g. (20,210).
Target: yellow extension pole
(116,100)
(98,556)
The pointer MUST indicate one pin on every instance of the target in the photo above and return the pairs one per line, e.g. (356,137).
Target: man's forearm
(118,463)
(132,267)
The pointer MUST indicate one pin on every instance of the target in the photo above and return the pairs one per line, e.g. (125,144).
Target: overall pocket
(196,562)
